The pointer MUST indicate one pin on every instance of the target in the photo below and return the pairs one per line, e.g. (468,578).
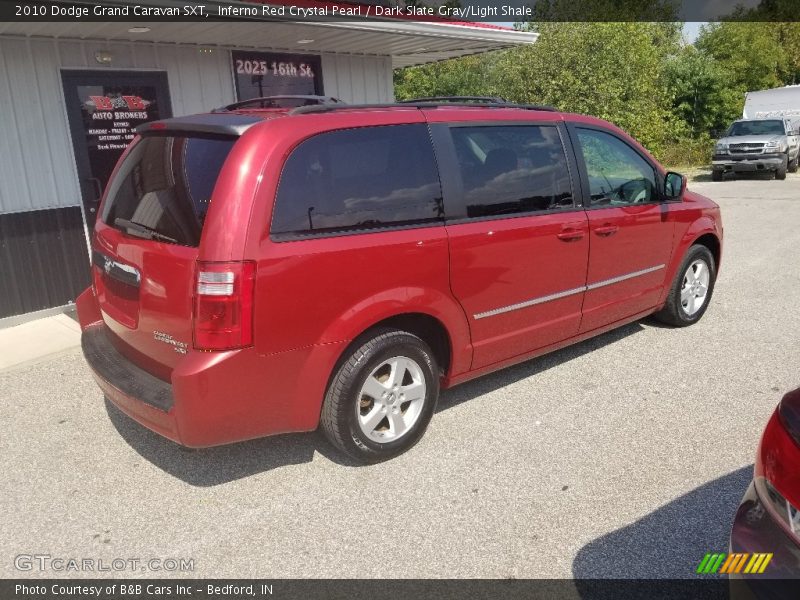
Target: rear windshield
(757,128)
(163,189)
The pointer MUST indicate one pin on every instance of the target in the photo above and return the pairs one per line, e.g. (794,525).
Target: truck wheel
(793,165)
(780,172)
(716,175)
(382,397)
(691,290)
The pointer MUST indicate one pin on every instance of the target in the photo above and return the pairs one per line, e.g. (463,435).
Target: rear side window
(507,170)
(358,179)
(163,189)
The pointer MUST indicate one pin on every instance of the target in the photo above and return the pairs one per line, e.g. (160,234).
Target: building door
(104,108)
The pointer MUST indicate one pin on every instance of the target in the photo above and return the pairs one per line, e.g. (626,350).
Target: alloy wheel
(695,287)
(391,399)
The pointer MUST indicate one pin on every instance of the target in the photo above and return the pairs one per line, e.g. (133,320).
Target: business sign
(110,115)
(104,109)
(260,74)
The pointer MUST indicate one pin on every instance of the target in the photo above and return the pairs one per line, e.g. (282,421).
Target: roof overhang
(407,42)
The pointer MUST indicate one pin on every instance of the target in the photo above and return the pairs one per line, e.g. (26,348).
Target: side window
(618,175)
(355,179)
(506,170)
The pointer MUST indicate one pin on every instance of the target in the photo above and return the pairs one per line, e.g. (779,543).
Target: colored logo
(734,563)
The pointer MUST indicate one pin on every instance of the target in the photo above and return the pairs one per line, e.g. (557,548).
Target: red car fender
(403,301)
(336,343)
(706,224)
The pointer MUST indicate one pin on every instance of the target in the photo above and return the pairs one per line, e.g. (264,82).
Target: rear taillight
(223,305)
(789,413)
(778,463)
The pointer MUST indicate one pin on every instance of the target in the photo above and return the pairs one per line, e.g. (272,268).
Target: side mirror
(674,186)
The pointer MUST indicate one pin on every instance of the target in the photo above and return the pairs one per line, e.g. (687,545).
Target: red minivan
(261,271)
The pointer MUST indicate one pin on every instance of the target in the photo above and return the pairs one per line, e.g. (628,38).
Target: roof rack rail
(285,101)
(324,108)
(459,99)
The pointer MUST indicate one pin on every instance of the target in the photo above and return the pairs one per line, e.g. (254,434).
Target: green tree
(789,40)
(783,15)
(703,96)
(611,70)
(467,76)
(605,10)
(750,52)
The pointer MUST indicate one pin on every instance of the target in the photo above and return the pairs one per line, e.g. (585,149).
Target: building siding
(38,170)
(43,260)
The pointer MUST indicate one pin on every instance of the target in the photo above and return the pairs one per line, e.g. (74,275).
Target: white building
(56,79)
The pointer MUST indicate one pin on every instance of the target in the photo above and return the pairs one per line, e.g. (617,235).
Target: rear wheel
(691,290)
(382,397)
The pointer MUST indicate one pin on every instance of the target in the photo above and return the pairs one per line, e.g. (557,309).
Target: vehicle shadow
(669,542)
(499,379)
(216,466)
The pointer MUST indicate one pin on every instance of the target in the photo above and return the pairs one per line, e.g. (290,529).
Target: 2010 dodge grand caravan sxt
(265,271)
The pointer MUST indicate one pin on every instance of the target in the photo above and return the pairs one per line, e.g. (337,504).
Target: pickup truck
(752,145)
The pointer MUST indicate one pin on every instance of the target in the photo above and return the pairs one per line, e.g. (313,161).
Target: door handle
(570,234)
(606,230)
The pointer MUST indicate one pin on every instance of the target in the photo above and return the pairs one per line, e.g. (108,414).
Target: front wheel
(691,290)
(780,172)
(793,165)
(382,397)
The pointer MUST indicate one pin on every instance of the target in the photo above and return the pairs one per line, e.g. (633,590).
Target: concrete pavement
(624,456)
(37,340)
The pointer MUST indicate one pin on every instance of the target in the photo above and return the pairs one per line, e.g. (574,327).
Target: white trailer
(781,102)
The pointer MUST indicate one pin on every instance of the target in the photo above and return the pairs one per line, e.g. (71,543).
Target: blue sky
(691,29)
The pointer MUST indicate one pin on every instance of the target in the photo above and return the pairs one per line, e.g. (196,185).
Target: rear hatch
(148,234)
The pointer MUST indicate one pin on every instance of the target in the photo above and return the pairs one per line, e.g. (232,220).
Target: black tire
(339,410)
(673,312)
(780,172)
(716,175)
(793,165)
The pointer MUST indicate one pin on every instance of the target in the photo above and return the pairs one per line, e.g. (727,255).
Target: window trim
(290,236)
(280,238)
(572,127)
(450,174)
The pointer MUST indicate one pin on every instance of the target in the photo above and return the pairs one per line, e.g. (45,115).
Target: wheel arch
(706,232)
(710,241)
(425,326)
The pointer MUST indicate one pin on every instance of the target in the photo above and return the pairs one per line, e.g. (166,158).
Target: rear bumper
(755,530)
(211,398)
(134,391)
(762,162)
(110,365)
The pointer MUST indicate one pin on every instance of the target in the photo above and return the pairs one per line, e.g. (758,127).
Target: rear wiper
(151,233)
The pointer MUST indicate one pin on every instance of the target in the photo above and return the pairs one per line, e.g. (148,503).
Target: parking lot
(624,456)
